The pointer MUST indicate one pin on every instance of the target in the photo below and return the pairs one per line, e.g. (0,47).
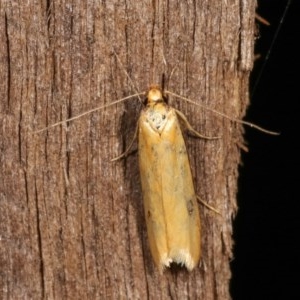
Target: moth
(170,202)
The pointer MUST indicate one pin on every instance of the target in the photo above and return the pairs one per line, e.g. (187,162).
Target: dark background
(266,261)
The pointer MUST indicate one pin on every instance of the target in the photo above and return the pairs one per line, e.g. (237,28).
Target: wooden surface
(71,221)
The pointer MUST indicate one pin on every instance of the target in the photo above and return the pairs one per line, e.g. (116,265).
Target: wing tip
(181,257)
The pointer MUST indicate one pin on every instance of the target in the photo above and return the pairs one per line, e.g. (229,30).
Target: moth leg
(128,148)
(190,128)
(207,205)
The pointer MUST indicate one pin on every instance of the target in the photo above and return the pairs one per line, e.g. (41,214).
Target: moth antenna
(224,116)
(127,75)
(88,112)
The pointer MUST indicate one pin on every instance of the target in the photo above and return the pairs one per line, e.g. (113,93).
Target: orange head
(155,94)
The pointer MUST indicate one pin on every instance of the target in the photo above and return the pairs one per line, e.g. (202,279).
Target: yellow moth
(170,202)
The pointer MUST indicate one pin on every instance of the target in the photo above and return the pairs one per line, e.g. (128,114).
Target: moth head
(155,95)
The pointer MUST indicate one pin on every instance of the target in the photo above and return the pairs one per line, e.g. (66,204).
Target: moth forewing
(170,203)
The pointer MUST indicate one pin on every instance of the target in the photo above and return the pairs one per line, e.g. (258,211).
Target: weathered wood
(71,221)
